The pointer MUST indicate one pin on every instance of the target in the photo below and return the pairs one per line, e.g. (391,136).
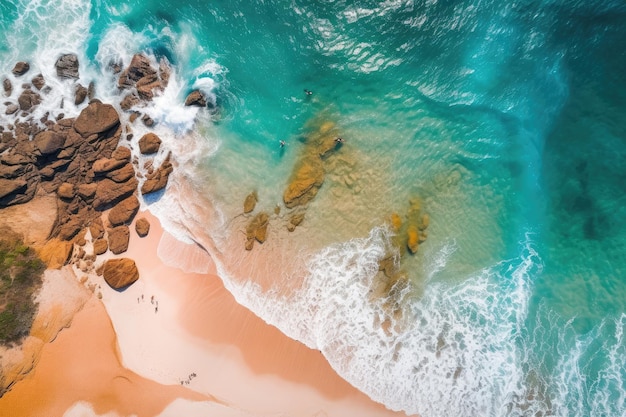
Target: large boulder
(120,273)
(67,66)
(118,239)
(122,174)
(49,142)
(96,118)
(142,227)
(149,143)
(110,192)
(8,187)
(55,253)
(158,180)
(20,68)
(305,181)
(104,165)
(124,211)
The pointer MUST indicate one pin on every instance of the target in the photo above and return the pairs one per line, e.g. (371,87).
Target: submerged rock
(307,178)
(250,202)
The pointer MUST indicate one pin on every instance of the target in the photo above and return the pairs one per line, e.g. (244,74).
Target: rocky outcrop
(196,98)
(7,86)
(141,75)
(49,142)
(67,66)
(120,273)
(55,253)
(96,118)
(118,239)
(38,81)
(149,143)
(80,94)
(158,179)
(124,211)
(28,99)
(109,192)
(20,68)
(142,227)
(294,221)
(306,179)
(250,202)
(257,230)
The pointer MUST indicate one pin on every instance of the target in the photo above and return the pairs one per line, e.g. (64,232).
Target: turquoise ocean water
(505,119)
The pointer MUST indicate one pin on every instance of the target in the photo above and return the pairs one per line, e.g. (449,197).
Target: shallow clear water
(504,119)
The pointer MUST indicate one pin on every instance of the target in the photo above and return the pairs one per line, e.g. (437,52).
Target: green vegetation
(20,278)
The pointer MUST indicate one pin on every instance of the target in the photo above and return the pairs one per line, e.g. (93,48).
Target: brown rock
(118,239)
(120,273)
(295,221)
(20,68)
(196,98)
(142,227)
(129,101)
(7,86)
(412,238)
(96,118)
(80,94)
(122,154)
(11,109)
(257,230)
(66,190)
(8,187)
(56,253)
(104,165)
(49,142)
(39,81)
(139,67)
(70,227)
(100,246)
(250,202)
(28,99)
(96,228)
(110,192)
(158,180)
(87,191)
(67,66)
(124,211)
(149,143)
(123,174)
(306,180)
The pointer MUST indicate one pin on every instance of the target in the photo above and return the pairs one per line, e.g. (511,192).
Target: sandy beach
(177,342)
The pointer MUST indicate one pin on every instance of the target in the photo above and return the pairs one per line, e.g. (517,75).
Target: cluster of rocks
(83,162)
(305,181)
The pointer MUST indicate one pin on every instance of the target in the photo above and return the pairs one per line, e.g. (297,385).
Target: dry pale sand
(174,344)
(82,364)
(200,329)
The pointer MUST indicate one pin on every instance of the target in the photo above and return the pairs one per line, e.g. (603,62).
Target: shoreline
(128,359)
